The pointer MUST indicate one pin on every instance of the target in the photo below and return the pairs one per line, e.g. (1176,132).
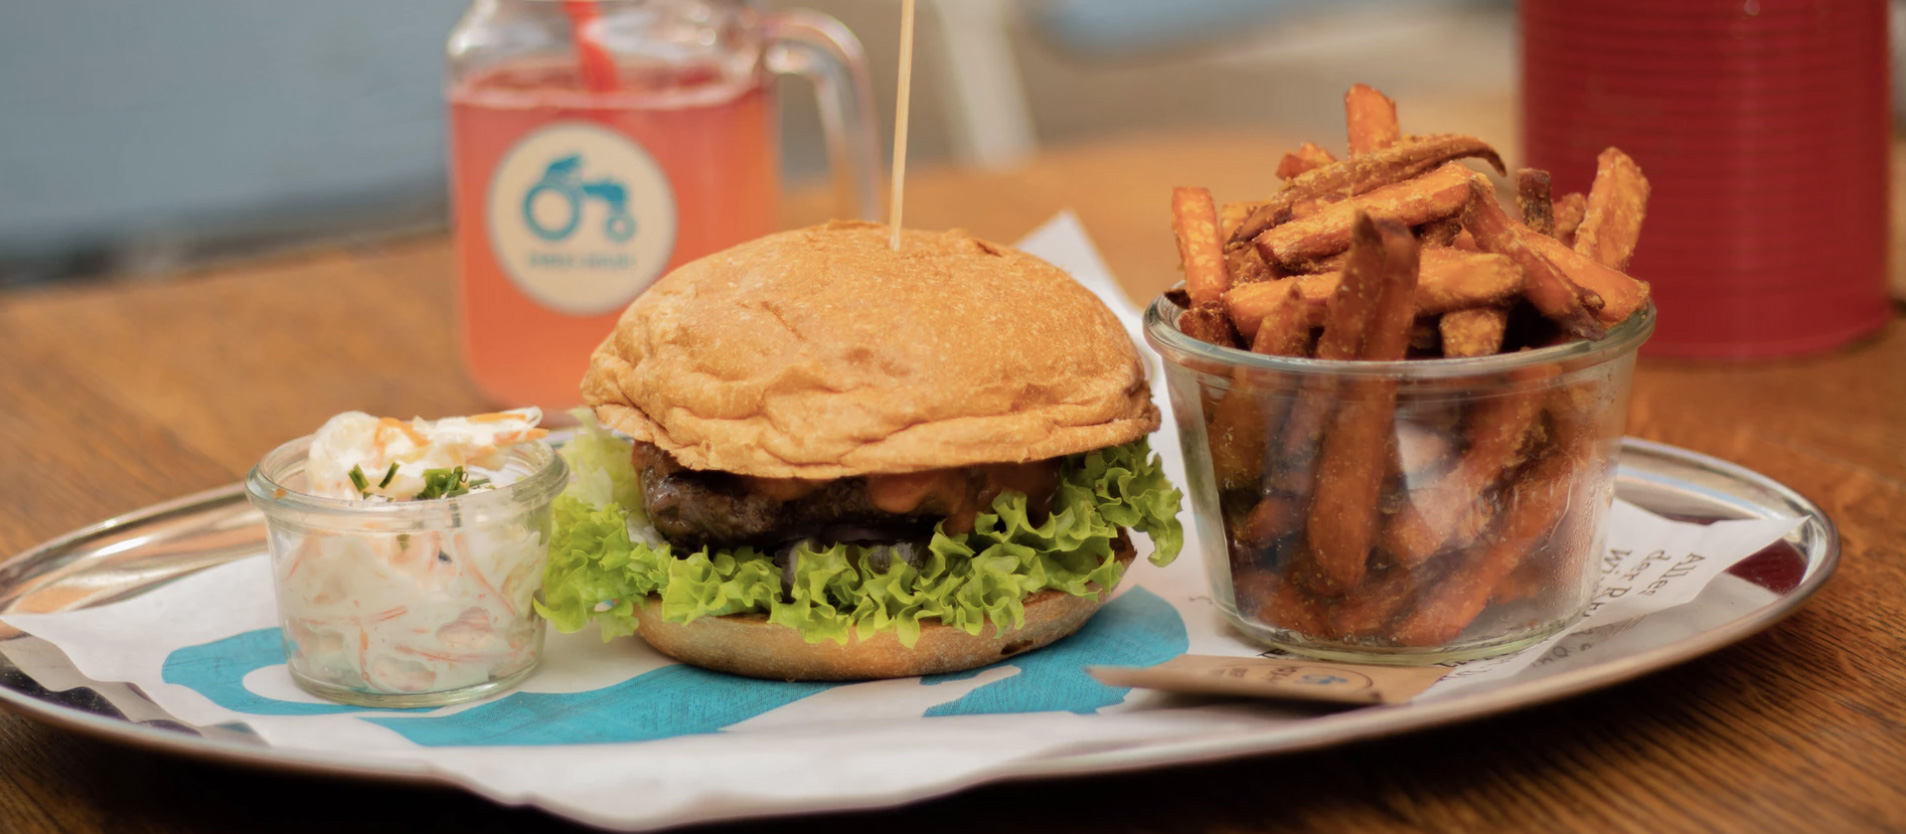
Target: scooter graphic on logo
(561,179)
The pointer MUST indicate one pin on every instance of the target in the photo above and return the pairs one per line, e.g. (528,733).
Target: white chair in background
(988,115)
(989,120)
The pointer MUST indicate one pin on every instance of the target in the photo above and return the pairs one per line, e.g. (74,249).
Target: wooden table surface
(114,397)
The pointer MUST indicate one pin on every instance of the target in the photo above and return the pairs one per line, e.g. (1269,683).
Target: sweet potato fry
(1617,203)
(1294,463)
(1247,266)
(1314,266)
(1424,339)
(1238,432)
(1368,609)
(1284,330)
(1231,216)
(1476,331)
(1536,201)
(1621,295)
(1306,158)
(1535,502)
(1371,117)
(1207,322)
(1450,280)
(1241,423)
(1317,287)
(1270,519)
(1350,308)
(1453,279)
(1439,232)
(1525,582)
(1569,209)
(1446,512)
(1389,336)
(1575,412)
(1439,194)
(1405,160)
(1194,221)
(1266,597)
(1302,570)
(1351,464)
(1353,302)
(1239,429)
(1552,293)
(1250,303)
(1556,565)
(1313,206)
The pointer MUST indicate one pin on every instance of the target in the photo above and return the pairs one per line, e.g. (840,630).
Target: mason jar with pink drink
(596,144)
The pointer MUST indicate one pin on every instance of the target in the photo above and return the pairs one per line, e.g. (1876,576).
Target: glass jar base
(1496,645)
(410,700)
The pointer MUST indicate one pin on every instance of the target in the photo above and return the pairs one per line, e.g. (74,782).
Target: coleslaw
(407,554)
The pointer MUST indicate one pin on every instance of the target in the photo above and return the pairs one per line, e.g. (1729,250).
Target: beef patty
(695,508)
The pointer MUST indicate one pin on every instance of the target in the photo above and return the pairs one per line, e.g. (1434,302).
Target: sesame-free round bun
(822,353)
(747,644)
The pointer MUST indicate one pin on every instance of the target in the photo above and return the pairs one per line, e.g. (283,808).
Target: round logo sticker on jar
(581,219)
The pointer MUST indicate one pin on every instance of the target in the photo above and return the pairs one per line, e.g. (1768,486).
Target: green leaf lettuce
(604,555)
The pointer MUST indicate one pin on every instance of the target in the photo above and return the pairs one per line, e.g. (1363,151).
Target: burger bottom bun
(747,644)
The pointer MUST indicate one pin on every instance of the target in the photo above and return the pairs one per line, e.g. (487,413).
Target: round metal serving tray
(130,555)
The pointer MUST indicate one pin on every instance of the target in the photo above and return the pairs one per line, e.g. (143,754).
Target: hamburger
(812,457)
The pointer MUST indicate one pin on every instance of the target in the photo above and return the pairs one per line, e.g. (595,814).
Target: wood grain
(116,397)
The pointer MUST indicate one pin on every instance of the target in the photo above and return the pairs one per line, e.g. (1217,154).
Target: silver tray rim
(1822,558)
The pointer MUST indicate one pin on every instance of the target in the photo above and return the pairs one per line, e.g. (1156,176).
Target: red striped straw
(598,69)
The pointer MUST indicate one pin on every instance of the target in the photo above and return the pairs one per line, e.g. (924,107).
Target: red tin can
(1764,127)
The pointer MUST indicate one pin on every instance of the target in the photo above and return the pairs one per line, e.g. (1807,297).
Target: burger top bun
(822,353)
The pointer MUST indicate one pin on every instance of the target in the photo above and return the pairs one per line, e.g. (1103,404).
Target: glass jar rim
(1161,330)
(549,476)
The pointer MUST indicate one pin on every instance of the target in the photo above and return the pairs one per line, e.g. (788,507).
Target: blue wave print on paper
(1137,629)
(670,701)
(217,670)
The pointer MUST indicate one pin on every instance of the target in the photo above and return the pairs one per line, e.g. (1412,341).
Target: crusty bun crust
(747,644)
(822,353)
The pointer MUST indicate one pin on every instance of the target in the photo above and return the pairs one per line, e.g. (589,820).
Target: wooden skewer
(900,119)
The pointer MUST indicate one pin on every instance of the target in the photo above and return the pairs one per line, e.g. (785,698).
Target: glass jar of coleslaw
(406,582)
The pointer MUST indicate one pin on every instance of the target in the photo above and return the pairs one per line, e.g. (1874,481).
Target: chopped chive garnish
(459,483)
(479,483)
(444,483)
(357,480)
(388,475)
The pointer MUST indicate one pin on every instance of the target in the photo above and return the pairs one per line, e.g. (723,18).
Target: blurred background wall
(140,139)
(140,136)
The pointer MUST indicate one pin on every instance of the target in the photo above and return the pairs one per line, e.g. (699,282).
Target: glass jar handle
(822,50)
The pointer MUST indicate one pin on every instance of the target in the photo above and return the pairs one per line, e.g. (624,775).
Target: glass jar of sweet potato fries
(1414,511)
